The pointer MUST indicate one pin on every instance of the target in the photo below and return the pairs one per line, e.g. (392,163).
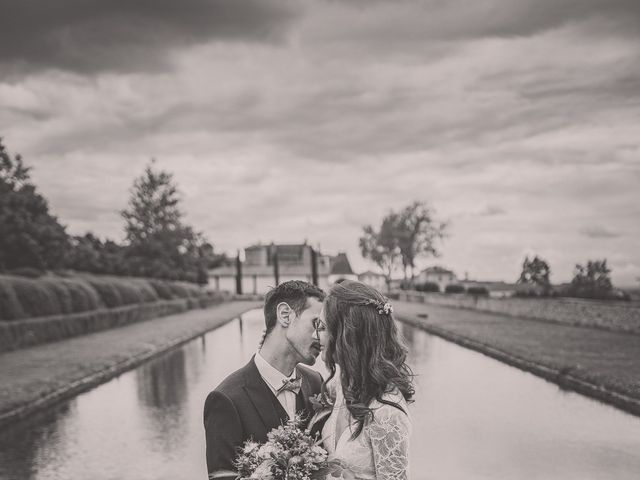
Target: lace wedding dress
(381,451)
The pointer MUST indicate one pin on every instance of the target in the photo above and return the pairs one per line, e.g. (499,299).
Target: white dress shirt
(274,379)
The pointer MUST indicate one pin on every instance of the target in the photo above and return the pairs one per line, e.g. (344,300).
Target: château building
(262,263)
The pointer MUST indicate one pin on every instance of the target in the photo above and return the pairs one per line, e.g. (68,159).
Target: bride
(368,430)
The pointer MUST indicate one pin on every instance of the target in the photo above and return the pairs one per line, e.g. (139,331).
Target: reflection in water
(24,445)
(162,393)
(474,418)
(162,383)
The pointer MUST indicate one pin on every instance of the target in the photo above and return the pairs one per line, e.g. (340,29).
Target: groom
(274,385)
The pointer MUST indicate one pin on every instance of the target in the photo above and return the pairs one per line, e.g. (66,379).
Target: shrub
(620,295)
(454,288)
(147,292)
(83,296)
(614,294)
(428,287)
(162,289)
(10,308)
(28,272)
(128,292)
(184,290)
(22,297)
(37,299)
(178,291)
(60,272)
(120,291)
(61,291)
(592,280)
(478,291)
(108,293)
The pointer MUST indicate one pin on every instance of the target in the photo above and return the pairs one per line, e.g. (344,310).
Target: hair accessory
(383,308)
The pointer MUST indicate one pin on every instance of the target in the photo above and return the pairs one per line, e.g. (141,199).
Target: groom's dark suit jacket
(243,407)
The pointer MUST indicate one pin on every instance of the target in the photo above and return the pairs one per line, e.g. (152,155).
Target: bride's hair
(363,340)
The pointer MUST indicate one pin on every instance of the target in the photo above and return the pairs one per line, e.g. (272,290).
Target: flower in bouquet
(289,454)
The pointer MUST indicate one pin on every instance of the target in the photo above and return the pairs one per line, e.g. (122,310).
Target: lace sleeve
(389,433)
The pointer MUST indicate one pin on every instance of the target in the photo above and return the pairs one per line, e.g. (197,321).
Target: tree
(536,272)
(382,246)
(159,244)
(30,235)
(592,280)
(208,259)
(90,254)
(418,233)
(85,254)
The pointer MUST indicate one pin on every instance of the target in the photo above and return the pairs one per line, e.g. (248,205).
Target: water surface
(474,418)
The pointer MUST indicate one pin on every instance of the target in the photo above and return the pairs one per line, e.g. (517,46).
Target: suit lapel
(263,399)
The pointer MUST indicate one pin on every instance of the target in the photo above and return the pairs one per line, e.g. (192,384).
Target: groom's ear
(284,313)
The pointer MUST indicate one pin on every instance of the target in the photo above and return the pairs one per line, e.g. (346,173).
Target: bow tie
(290,385)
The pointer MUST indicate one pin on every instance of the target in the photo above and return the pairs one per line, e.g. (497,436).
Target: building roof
(340,265)
(267,270)
(437,270)
(327,265)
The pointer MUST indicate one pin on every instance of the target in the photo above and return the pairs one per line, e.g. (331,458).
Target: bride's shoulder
(392,396)
(393,409)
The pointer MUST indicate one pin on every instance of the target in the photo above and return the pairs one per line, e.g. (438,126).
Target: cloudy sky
(286,120)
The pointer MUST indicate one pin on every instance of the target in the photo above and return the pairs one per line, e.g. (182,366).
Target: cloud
(418,26)
(491,211)
(597,231)
(90,36)
(288,120)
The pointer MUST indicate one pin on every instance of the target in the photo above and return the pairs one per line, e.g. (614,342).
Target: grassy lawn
(609,362)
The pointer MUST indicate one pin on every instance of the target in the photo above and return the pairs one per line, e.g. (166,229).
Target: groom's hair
(295,294)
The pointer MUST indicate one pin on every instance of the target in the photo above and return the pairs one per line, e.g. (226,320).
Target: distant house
(293,263)
(374,279)
(439,275)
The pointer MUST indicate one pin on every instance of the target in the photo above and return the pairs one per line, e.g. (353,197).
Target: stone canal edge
(173,335)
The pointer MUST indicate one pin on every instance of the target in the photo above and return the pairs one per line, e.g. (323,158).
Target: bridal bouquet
(290,453)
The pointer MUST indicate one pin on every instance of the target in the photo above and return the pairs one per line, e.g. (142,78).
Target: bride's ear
(284,313)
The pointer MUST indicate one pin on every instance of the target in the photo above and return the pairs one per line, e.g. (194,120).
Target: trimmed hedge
(454,288)
(184,290)
(428,287)
(28,272)
(36,297)
(83,296)
(48,295)
(61,293)
(479,291)
(34,331)
(10,307)
(162,288)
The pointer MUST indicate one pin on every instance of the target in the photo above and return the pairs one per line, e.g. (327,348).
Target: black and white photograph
(320,240)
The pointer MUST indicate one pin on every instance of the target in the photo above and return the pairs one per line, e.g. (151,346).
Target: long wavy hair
(366,345)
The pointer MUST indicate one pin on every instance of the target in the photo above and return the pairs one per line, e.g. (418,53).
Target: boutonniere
(322,407)
(320,402)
